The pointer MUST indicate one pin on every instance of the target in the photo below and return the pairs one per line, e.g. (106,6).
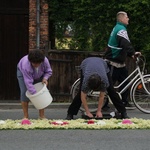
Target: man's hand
(100,104)
(99,114)
(85,105)
(89,114)
(136,54)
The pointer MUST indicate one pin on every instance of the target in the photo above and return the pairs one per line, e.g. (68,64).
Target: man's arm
(85,105)
(100,104)
(124,42)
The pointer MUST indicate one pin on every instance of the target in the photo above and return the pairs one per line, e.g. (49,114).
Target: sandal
(42,118)
(25,118)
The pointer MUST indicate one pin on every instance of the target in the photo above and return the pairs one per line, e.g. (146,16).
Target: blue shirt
(94,65)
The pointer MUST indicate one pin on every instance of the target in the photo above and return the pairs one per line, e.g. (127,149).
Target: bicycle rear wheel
(92,98)
(140,97)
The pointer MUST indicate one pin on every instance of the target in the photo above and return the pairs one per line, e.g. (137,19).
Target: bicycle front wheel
(140,97)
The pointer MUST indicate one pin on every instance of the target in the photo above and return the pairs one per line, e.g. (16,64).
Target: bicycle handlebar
(140,61)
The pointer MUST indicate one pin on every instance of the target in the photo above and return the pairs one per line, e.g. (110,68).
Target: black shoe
(129,106)
(69,117)
(124,116)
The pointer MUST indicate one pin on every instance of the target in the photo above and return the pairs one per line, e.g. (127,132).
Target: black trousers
(76,103)
(120,74)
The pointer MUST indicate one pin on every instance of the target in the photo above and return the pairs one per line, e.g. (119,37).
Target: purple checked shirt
(30,73)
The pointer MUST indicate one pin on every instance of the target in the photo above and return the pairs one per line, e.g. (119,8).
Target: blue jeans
(22,86)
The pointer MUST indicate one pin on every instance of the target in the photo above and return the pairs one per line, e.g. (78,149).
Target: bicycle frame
(74,84)
(139,91)
(138,76)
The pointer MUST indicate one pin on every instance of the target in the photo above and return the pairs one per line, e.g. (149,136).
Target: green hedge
(91,22)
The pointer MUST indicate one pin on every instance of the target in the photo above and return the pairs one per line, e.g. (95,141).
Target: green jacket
(119,46)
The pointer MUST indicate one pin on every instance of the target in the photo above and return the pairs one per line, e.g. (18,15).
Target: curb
(18,105)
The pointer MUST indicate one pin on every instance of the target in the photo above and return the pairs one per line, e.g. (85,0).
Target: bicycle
(139,86)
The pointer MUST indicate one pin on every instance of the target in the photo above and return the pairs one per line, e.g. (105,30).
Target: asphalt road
(71,139)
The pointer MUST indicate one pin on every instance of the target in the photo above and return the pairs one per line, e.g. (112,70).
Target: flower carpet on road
(92,124)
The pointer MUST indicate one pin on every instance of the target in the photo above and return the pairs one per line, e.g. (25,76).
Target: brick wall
(43,24)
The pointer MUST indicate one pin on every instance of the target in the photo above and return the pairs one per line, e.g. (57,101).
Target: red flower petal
(58,123)
(90,122)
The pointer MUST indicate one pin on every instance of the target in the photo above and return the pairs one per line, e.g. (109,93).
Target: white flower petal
(2,122)
(101,122)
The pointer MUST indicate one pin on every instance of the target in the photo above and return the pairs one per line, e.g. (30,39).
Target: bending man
(95,75)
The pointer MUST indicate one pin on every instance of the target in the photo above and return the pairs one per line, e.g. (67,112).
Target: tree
(91,22)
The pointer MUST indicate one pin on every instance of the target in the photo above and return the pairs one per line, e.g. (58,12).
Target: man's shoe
(124,116)
(69,117)
(129,106)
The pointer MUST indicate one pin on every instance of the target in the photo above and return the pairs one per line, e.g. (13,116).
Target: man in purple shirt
(31,69)
(95,75)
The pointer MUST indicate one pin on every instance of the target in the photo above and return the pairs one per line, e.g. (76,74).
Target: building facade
(22,28)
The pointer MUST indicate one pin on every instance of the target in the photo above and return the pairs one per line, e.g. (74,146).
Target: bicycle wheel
(139,96)
(92,97)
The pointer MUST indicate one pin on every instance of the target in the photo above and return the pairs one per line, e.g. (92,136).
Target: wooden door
(14,20)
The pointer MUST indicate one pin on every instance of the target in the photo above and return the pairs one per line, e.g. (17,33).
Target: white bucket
(42,98)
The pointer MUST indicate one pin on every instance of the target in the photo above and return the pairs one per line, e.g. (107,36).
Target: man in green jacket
(119,47)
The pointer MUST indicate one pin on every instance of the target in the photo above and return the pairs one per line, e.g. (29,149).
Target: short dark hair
(36,56)
(121,14)
(94,82)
